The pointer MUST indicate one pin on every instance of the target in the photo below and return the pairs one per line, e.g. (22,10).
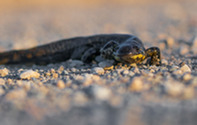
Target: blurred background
(27,23)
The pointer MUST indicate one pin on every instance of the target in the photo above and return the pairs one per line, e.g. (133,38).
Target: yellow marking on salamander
(140,56)
(40,53)
(108,67)
(3,61)
(134,58)
(16,57)
(29,55)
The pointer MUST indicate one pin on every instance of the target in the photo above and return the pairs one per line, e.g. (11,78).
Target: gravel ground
(73,92)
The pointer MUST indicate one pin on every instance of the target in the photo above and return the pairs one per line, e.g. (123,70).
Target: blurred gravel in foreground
(72,92)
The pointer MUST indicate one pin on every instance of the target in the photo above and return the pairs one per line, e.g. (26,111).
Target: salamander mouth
(130,58)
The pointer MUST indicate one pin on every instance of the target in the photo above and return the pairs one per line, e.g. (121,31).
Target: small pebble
(52,70)
(80,98)
(131,73)
(170,42)
(194,82)
(187,77)
(16,94)
(174,68)
(164,61)
(125,72)
(166,42)
(188,93)
(87,80)
(4,72)
(102,93)
(194,46)
(136,70)
(176,72)
(66,72)
(10,82)
(116,101)
(27,86)
(162,45)
(47,73)
(29,74)
(19,83)
(2,81)
(185,68)
(2,91)
(174,89)
(136,84)
(78,77)
(152,71)
(60,70)
(55,75)
(98,70)
(184,50)
(96,78)
(60,84)
(73,69)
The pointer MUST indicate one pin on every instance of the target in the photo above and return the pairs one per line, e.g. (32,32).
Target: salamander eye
(136,48)
(135,39)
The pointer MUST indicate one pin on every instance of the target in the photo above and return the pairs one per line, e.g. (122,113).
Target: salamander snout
(130,54)
(128,49)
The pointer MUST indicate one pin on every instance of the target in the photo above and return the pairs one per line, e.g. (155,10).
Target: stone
(2,91)
(125,72)
(55,75)
(174,89)
(185,68)
(194,46)
(187,77)
(184,50)
(170,42)
(4,72)
(80,98)
(136,84)
(101,93)
(28,74)
(60,70)
(164,62)
(61,84)
(98,70)
(2,81)
(16,94)
(188,93)
(177,72)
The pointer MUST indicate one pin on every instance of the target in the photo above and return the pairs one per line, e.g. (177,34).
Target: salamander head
(131,51)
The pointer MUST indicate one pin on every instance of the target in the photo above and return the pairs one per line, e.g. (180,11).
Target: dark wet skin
(120,47)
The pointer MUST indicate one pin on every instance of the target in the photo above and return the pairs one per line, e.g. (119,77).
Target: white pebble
(164,61)
(185,68)
(4,72)
(29,74)
(98,70)
(102,93)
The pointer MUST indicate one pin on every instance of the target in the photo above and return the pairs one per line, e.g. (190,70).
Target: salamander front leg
(108,49)
(154,53)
